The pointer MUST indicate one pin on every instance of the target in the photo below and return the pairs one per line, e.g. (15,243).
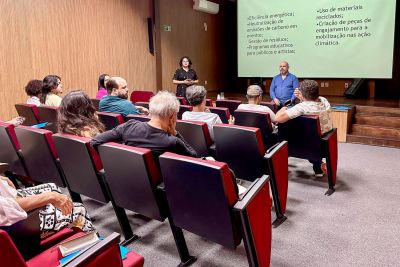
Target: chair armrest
(251,193)
(90,253)
(328,135)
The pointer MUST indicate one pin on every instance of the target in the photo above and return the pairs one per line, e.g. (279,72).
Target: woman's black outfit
(181,75)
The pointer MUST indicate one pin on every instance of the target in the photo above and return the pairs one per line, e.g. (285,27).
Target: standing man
(283,85)
(116,100)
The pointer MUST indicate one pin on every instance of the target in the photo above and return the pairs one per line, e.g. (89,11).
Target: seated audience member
(102,91)
(254,97)
(196,96)
(78,116)
(57,210)
(33,89)
(51,90)
(117,99)
(311,104)
(158,135)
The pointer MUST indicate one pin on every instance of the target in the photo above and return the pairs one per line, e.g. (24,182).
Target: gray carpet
(357,226)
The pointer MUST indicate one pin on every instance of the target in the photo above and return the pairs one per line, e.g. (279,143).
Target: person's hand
(188,82)
(61,202)
(277,102)
(207,110)
(143,110)
(231,120)
(17,121)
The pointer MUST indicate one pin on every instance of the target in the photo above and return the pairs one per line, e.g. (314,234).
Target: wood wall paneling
(189,38)
(76,39)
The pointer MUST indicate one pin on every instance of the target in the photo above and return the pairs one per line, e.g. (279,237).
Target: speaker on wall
(150,34)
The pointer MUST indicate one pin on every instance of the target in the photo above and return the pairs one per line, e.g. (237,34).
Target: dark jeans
(317,166)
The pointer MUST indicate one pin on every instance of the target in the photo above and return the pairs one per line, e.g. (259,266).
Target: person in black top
(184,76)
(159,134)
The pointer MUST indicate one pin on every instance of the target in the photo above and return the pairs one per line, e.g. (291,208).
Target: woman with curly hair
(78,116)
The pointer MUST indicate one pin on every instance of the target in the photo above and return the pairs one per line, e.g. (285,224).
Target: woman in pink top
(102,91)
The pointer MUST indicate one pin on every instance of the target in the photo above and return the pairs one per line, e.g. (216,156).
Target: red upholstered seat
(196,133)
(306,141)
(248,160)
(203,200)
(110,120)
(232,105)
(29,112)
(223,113)
(106,254)
(141,96)
(183,108)
(109,257)
(56,238)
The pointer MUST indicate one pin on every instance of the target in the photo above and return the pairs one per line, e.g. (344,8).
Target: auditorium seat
(305,140)
(259,120)
(50,115)
(41,157)
(29,112)
(243,150)
(223,113)
(271,105)
(137,117)
(182,109)
(182,100)
(84,173)
(203,200)
(141,96)
(232,105)
(142,104)
(110,120)
(196,133)
(25,235)
(10,150)
(133,176)
(209,102)
(95,102)
(102,254)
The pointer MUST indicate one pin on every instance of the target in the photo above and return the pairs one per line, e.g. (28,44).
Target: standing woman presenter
(184,76)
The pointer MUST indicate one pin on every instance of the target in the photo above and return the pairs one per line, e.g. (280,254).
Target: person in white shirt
(52,88)
(196,96)
(254,97)
(311,104)
(56,209)
(33,89)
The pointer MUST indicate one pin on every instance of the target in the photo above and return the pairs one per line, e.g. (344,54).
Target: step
(377,120)
(384,111)
(375,131)
(368,140)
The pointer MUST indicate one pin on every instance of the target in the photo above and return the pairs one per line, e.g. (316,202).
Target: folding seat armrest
(251,193)
(89,254)
(329,134)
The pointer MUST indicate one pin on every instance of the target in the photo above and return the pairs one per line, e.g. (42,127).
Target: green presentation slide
(319,39)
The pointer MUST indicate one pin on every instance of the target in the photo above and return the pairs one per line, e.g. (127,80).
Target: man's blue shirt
(116,104)
(283,89)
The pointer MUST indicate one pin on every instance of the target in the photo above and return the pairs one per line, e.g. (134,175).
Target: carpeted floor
(359,225)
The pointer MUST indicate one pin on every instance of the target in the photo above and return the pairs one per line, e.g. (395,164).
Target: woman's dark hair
(50,82)
(190,62)
(101,81)
(309,89)
(34,87)
(78,114)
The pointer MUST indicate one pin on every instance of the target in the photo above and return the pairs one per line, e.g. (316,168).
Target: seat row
(207,204)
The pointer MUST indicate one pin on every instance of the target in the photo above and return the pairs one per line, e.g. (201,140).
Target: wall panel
(76,39)
(189,38)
